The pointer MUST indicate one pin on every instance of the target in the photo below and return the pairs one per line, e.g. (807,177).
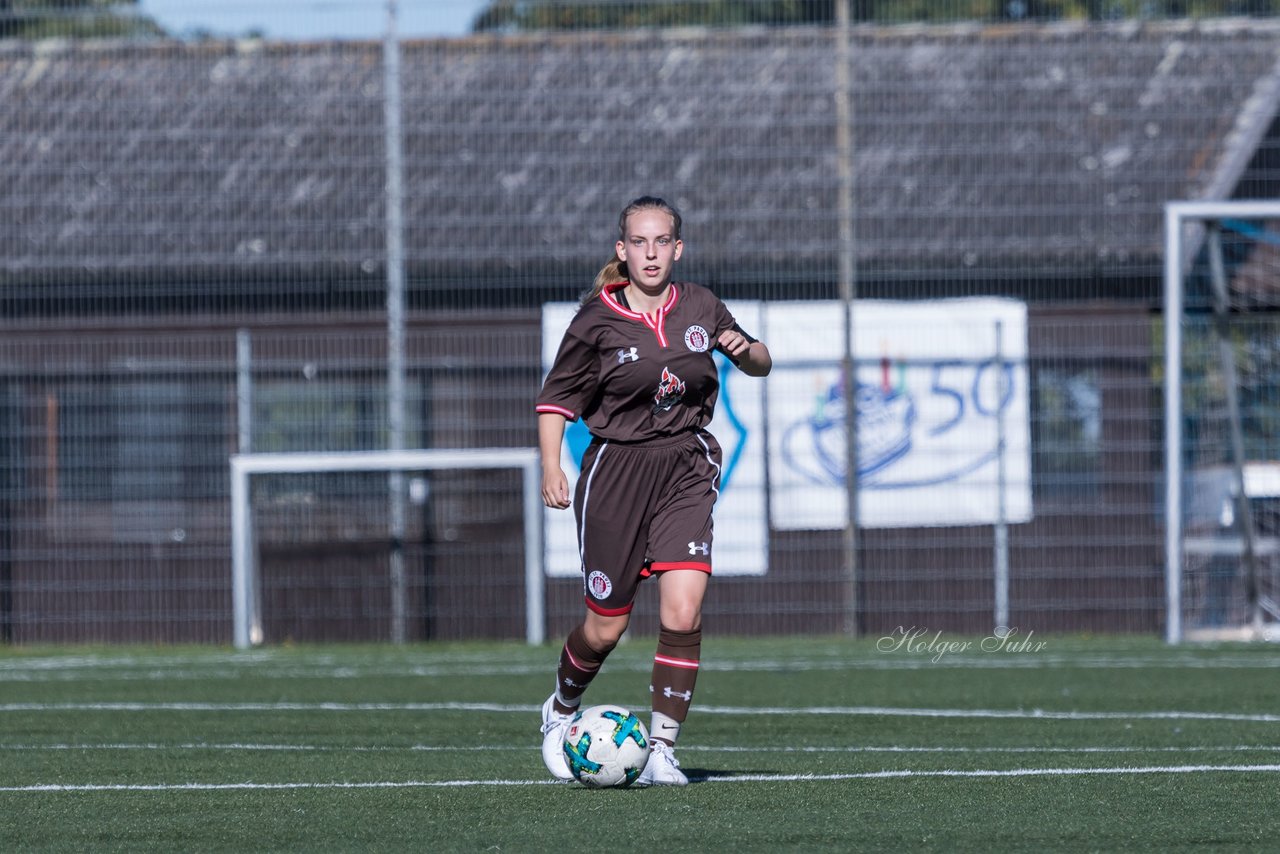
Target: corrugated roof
(1021,148)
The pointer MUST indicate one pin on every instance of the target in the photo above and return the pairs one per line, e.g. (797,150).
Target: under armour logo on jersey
(628,355)
(699,548)
(682,695)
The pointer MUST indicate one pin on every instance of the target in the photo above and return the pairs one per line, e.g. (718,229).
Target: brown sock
(579,664)
(675,670)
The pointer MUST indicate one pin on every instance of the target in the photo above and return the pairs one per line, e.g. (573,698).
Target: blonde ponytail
(614,271)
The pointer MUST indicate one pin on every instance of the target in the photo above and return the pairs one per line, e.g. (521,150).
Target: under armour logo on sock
(628,355)
(682,695)
(699,548)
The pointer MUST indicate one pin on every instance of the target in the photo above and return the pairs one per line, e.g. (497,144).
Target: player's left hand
(734,344)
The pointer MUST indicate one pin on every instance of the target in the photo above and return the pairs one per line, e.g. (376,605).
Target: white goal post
(1181,246)
(247,625)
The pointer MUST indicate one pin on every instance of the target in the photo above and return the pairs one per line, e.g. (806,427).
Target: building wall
(116,509)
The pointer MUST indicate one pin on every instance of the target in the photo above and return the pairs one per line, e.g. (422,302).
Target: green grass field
(1082,744)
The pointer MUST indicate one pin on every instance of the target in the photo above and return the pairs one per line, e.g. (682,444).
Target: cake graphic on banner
(886,415)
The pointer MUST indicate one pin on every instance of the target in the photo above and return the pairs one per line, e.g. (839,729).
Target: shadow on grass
(708,775)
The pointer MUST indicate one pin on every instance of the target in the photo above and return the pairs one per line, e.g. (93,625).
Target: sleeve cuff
(557,410)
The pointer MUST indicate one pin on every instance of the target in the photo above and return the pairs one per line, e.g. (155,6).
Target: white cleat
(662,769)
(554,727)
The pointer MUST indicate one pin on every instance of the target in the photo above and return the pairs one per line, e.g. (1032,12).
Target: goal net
(1222,420)
(315,545)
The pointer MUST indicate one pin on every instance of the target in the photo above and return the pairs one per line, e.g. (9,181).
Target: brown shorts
(642,508)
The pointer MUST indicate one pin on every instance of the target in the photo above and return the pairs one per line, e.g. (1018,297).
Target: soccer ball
(606,746)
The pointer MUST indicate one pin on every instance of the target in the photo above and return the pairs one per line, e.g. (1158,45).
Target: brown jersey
(632,377)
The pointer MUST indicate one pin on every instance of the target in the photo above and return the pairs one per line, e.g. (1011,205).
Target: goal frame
(1180,252)
(246,616)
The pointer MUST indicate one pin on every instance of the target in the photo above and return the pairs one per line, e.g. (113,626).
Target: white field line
(884,711)
(1009,772)
(216,787)
(908,652)
(152,672)
(721,778)
(687,748)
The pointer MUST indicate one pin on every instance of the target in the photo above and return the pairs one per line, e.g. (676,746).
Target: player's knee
(603,633)
(682,617)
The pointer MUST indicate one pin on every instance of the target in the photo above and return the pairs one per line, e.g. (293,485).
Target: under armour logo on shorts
(699,548)
(628,355)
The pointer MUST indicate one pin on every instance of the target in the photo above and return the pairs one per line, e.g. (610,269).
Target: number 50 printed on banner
(942,407)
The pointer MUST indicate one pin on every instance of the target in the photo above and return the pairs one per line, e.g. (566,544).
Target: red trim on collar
(606,294)
(658,325)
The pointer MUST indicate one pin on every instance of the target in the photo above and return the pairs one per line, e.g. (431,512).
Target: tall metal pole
(1173,423)
(1001,556)
(244,391)
(392,107)
(848,293)
(244,428)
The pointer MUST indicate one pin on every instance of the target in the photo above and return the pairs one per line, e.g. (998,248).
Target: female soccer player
(636,365)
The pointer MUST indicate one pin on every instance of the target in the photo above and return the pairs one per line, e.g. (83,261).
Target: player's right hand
(555,489)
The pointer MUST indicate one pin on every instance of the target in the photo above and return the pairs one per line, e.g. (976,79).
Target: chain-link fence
(283,244)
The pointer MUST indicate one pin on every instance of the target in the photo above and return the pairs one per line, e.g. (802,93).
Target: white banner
(932,401)
(741,534)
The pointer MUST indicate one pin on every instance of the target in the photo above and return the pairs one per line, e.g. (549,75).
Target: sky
(313,19)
